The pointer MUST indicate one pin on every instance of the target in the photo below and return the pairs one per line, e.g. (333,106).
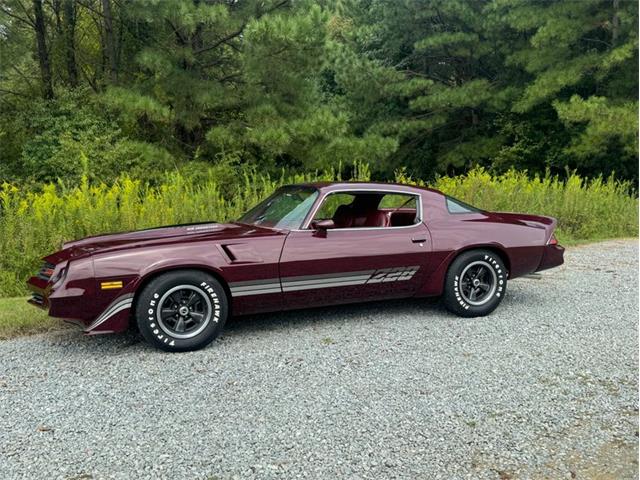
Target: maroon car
(304,246)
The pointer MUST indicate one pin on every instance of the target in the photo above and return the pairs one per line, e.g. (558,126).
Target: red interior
(346,216)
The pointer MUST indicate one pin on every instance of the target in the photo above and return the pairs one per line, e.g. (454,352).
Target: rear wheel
(475,283)
(182,310)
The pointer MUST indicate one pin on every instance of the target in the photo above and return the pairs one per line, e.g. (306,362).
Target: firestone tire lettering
(148,307)
(454,299)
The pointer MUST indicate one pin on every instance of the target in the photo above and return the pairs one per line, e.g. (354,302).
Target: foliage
(66,138)
(436,86)
(586,209)
(500,83)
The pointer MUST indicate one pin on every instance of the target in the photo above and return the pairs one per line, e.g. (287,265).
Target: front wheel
(475,283)
(181,310)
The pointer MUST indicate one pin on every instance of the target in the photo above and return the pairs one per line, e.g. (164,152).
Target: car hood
(159,235)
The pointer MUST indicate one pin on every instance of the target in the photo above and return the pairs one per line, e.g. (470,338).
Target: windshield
(286,208)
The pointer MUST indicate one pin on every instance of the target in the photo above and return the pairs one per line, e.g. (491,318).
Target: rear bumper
(552,256)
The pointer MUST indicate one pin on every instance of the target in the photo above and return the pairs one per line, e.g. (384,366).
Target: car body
(393,252)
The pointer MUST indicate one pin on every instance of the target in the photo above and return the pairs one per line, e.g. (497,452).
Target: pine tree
(240,81)
(581,58)
(495,82)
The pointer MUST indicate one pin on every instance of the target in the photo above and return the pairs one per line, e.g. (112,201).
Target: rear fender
(434,284)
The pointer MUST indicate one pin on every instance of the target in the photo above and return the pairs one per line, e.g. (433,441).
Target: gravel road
(545,387)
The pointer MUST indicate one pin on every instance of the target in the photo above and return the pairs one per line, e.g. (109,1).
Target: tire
(182,310)
(479,271)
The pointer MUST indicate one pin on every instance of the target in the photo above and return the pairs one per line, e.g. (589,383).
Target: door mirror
(323,225)
(320,227)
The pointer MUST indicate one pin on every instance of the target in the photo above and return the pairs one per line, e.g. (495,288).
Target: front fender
(132,269)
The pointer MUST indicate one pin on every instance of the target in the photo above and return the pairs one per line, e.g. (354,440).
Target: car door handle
(418,240)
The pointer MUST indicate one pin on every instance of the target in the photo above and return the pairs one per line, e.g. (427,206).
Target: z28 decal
(309,282)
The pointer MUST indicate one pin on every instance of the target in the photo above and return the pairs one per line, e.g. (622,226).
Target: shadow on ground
(251,324)
(292,320)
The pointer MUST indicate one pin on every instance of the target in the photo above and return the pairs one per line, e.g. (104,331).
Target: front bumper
(75,299)
(552,256)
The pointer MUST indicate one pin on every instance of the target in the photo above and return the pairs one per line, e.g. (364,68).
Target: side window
(456,206)
(398,200)
(331,203)
(402,209)
(368,210)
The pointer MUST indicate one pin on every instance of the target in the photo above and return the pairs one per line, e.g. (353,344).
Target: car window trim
(307,222)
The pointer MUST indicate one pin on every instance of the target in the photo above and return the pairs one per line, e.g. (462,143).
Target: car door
(343,265)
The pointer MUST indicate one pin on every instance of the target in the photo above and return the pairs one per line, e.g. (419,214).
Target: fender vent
(241,253)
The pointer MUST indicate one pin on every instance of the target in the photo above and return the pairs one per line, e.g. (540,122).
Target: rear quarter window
(456,206)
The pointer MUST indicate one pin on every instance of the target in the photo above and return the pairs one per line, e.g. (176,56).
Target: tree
(43,53)
(239,81)
(69,41)
(581,59)
(491,82)
(109,39)
(438,76)
(433,86)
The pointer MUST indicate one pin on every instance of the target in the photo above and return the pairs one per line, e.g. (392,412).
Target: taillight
(552,240)
(46,271)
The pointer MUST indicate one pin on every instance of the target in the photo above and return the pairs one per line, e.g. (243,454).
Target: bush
(586,209)
(68,138)
(33,224)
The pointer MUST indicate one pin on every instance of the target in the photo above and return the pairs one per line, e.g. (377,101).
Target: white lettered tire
(181,310)
(475,284)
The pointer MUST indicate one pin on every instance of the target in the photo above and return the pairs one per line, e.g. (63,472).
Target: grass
(17,318)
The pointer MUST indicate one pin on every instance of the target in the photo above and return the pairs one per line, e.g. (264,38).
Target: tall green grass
(586,209)
(33,224)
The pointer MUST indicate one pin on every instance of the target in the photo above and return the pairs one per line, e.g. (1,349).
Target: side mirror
(321,226)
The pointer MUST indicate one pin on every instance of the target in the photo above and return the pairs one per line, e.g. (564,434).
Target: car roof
(354,186)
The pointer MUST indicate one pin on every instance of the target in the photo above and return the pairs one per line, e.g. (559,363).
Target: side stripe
(309,282)
(320,281)
(344,283)
(255,291)
(119,304)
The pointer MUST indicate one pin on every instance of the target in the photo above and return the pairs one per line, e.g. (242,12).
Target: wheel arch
(497,249)
(434,285)
(150,276)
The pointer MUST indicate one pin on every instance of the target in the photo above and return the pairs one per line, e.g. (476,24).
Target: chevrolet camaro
(306,245)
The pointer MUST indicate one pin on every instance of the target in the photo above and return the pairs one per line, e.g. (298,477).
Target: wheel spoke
(193,299)
(179,327)
(168,312)
(475,273)
(197,316)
